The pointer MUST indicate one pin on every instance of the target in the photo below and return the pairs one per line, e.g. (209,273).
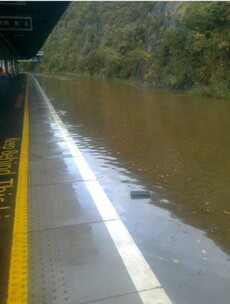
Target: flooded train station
(110,193)
(83,236)
(139,139)
(175,145)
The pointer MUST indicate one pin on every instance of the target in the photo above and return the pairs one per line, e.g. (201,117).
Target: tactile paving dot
(39,213)
(19,270)
(47,283)
(47,279)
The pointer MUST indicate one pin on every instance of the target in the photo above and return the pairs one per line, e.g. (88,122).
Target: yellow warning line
(18,274)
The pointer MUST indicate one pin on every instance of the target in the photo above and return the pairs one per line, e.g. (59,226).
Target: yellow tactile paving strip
(17,289)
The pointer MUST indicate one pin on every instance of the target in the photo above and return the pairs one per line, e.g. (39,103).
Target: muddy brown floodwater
(176,145)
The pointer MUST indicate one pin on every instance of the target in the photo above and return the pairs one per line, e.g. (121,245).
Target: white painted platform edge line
(136,265)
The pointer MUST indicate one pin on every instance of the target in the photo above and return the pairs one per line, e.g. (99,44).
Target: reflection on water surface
(176,145)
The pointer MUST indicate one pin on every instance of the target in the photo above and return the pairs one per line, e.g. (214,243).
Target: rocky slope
(168,44)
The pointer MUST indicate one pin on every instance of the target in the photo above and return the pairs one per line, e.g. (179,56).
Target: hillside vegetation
(178,45)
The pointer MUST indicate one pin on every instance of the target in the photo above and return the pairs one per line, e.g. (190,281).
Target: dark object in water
(140,194)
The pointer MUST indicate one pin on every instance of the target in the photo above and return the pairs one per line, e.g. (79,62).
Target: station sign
(10,23)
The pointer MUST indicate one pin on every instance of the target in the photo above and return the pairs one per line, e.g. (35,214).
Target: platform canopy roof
(25,25)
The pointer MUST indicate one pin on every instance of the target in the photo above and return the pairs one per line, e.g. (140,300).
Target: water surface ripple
(176,146)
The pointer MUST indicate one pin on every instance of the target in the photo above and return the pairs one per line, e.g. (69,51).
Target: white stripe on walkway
(145,281)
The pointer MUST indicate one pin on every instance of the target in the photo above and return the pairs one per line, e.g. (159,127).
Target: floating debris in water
(165,201)
(140,194)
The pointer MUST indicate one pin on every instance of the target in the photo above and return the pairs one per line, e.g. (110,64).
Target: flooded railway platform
(68,237)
